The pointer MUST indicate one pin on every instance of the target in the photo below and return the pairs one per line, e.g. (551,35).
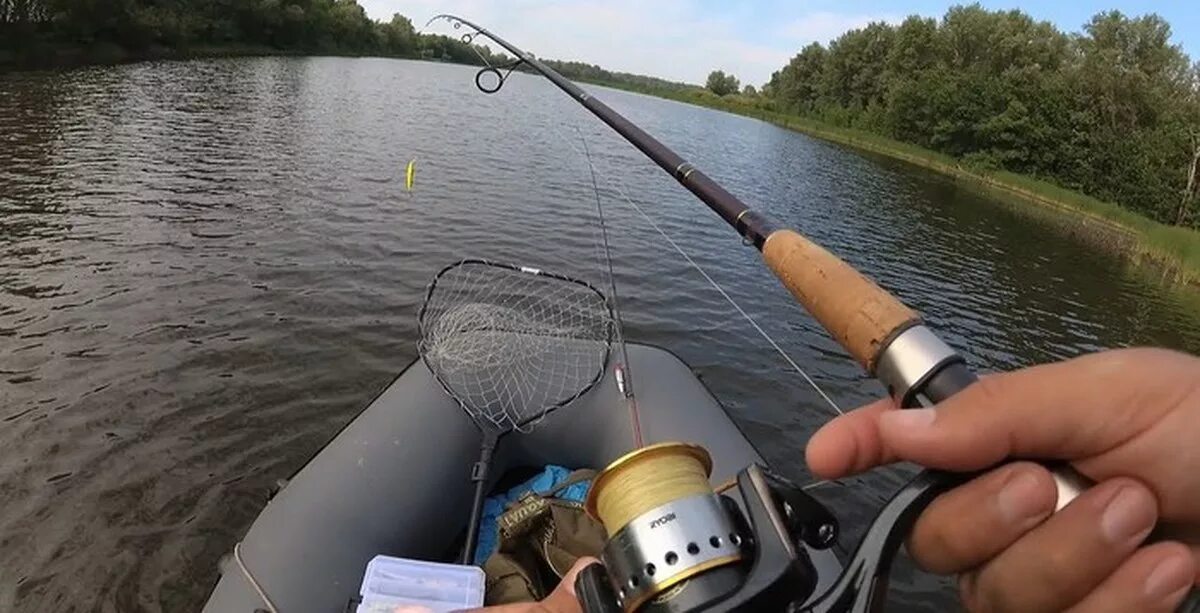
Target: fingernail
(1021,498)
(1170,580)
(1128,516)
(908,419)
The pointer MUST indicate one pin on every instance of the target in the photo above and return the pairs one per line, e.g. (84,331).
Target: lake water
(207,268)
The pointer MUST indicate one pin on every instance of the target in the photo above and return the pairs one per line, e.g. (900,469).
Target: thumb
(562,599)
(1069,410)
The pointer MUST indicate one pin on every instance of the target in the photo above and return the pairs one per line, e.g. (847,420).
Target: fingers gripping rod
(918,369)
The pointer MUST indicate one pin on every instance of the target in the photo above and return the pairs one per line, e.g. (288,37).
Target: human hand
(561,600)
(1128,419)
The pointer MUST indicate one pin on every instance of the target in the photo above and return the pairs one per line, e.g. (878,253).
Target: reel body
(669,545)
(700,551)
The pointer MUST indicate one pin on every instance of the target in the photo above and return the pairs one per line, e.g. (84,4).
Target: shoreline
(1170,250)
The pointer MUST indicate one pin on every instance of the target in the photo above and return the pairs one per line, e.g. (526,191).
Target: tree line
(138,27)
(32,28)
(1112,111)
(591,73)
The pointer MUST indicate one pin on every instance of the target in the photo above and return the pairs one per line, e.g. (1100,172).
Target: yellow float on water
(410,174)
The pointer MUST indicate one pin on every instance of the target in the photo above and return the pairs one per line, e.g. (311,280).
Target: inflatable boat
(396,481)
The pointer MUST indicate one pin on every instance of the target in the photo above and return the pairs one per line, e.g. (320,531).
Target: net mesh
(509,344)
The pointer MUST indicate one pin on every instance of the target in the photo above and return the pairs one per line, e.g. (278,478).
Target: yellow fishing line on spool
(647,478)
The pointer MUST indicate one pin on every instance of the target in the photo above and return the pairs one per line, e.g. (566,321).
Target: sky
(683,40)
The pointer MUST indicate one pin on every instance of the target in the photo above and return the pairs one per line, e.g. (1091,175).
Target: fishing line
(707,277)
(625,380)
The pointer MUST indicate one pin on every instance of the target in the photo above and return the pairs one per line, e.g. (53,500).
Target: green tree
(854,67)
(1113,111)
(915,48)
(399,36)
(797,85)
(722,84)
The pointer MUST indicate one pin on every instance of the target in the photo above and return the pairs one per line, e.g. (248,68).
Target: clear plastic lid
(412,586)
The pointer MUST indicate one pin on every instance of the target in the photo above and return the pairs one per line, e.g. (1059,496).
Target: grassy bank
(1173,249)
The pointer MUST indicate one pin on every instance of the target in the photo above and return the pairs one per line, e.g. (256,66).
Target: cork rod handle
(859,314)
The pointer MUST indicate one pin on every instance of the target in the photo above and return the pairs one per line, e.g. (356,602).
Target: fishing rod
(887,338)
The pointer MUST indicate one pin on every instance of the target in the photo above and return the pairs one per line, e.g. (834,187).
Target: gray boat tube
(394,481)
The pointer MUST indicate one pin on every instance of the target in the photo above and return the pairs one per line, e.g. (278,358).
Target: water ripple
(206,268)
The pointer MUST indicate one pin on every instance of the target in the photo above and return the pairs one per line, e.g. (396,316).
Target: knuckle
(966,526)
(935,544)
(934,551)
(989,390)
(949,553)
(1003,587)
(966,590)
(981,594)
(972,598)
(987,397)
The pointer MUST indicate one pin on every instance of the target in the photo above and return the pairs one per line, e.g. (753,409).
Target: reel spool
(673,543)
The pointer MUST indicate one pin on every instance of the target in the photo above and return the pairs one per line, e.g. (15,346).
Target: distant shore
(1173,250)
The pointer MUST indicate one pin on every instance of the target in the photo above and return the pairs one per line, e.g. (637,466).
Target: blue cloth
(493,507)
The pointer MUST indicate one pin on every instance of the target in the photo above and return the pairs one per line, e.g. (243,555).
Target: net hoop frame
(608,336)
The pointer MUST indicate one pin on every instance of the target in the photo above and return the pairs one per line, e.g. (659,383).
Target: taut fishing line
(624,371)
(586,154)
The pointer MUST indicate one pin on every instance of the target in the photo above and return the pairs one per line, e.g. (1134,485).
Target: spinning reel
(675,546)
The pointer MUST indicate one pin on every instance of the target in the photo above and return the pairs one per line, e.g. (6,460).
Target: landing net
(510,343)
